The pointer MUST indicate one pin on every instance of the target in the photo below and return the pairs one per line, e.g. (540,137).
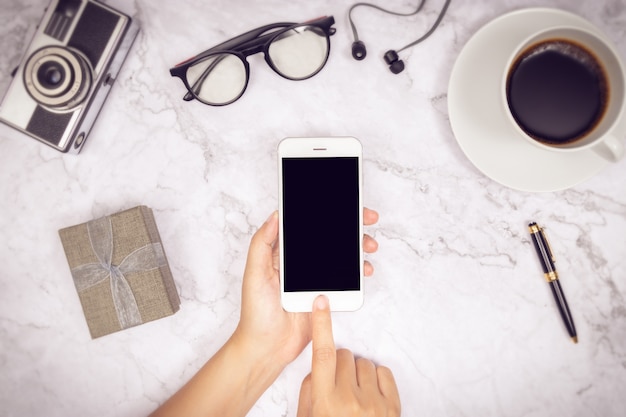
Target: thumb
(262,243)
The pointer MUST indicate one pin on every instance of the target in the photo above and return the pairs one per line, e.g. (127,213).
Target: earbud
(391,57)
(396,65)
(358,50)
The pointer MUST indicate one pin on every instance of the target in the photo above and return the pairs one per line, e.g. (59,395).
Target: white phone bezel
(320,147)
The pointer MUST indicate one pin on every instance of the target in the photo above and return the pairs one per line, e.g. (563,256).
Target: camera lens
(57,77)
(51,74)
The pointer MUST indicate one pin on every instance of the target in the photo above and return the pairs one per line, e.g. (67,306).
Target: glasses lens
(218,79)
(300,52)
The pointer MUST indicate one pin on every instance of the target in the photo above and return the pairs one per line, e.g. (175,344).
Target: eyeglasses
(219,76)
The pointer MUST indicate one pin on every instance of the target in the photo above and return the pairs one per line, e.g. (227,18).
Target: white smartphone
(321,222)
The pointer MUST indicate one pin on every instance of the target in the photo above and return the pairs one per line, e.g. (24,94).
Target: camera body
(67,72)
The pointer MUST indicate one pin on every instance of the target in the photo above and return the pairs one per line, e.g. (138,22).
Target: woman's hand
(266,340)
(268,330)
(339,385)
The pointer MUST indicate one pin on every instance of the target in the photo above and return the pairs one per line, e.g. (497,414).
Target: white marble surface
(457,306)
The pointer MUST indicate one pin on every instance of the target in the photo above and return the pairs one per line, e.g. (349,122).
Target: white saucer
(476,110)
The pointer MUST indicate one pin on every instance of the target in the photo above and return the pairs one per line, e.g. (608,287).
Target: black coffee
(557,91)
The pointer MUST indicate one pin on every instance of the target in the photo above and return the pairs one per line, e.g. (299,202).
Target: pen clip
(545,239)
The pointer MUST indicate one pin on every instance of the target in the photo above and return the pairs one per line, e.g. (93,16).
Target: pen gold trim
(546,258)
(551,276)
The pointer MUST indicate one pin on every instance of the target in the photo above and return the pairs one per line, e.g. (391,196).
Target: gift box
(120,271)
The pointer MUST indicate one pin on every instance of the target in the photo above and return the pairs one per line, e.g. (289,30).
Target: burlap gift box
(120,270)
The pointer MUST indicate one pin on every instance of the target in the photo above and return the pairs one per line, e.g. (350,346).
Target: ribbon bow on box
(146,258)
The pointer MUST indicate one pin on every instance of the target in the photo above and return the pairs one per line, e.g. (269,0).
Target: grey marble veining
(457,306)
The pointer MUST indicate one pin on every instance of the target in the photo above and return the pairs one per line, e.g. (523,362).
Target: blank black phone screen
(321,234)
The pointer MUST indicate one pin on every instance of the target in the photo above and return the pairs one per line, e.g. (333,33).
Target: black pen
(549,271)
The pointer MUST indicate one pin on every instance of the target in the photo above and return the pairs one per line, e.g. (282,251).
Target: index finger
(324,362)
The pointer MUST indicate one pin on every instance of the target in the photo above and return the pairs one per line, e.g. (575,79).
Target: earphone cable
(419,7)
(374,6)
(432,29)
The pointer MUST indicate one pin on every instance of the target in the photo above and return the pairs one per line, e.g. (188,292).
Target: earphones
(396,65)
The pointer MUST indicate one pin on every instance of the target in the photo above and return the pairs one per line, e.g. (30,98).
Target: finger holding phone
(339,385)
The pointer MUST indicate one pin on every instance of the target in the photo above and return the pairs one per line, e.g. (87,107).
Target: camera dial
(57,77)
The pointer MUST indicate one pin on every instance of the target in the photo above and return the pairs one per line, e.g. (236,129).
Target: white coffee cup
(605,135)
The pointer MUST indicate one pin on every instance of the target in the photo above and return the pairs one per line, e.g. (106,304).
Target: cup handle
(611,148)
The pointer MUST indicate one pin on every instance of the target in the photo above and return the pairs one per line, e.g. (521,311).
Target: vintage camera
(67,72)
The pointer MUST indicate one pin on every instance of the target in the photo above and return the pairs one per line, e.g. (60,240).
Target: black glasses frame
(250,43)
